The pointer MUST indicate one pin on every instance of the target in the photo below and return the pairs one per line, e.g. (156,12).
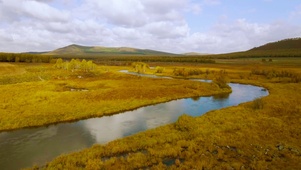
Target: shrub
(221,79)
(159,69)
(269,74)
(187,72)
(140,67)
(186,123)
(180,72)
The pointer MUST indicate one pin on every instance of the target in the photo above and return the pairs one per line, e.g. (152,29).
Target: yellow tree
(59,63)
(71,65)
(84,65)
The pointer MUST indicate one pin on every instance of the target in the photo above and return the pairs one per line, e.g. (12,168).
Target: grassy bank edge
(136,106)
(272,92)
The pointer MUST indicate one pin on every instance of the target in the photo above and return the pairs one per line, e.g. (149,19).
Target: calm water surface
(28,147)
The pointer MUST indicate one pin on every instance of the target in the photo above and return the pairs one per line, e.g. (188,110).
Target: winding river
(35,146)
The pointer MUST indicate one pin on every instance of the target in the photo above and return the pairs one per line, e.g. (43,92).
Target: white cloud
(195,8)
(43,11)
(106,22)
(14,10)
(135,13)
(38,25)
(128,33)
(239,35)
(170,30)
(117,12)
(212,2)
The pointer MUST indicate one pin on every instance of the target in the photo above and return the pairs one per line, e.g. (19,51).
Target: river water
(35,146)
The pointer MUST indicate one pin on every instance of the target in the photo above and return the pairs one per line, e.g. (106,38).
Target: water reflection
(23,148)
(196,98)
(26,147)
(223,96)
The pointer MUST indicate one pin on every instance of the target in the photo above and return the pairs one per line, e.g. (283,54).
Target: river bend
(35,146)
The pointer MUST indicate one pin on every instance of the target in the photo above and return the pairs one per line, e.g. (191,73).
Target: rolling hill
(287,44)
(97,50)
(283,48)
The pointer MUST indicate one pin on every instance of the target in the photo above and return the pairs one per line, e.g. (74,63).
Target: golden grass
(44,95)
(240,137)
(10,69)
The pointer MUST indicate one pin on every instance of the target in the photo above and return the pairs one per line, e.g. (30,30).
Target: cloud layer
(40,25)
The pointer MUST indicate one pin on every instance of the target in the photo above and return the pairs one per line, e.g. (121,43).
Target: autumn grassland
(39,94)
(262,134)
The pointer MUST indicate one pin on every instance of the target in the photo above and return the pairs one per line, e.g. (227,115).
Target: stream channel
(35,146)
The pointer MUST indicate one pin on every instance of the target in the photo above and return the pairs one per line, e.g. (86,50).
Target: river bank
(85,133)
(66,96)
(263,134)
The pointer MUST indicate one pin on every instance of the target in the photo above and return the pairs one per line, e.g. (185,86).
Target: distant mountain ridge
(75,49)
(287,47)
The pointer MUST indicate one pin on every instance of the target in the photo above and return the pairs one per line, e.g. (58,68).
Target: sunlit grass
(45,95)
(10,69)
(262,134)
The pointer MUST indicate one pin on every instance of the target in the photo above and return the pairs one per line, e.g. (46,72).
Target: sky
(177,26)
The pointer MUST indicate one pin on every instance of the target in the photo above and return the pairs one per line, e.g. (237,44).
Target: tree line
(148,59)
(25,57)
(259,54)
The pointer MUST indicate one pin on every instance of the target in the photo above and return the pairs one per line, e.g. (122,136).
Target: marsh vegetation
(42,94)
(261,134)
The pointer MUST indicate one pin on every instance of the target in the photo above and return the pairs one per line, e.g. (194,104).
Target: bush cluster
(159,69)
(75,64)
(187,72)
(269,74)
(140,67)
(221,79)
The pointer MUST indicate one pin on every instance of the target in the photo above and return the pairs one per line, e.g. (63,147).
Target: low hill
(283,48)
(287,44)
(97,50)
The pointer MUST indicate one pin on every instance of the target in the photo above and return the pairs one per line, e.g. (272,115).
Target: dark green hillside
(283,48)
(287,44)
(97,50)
